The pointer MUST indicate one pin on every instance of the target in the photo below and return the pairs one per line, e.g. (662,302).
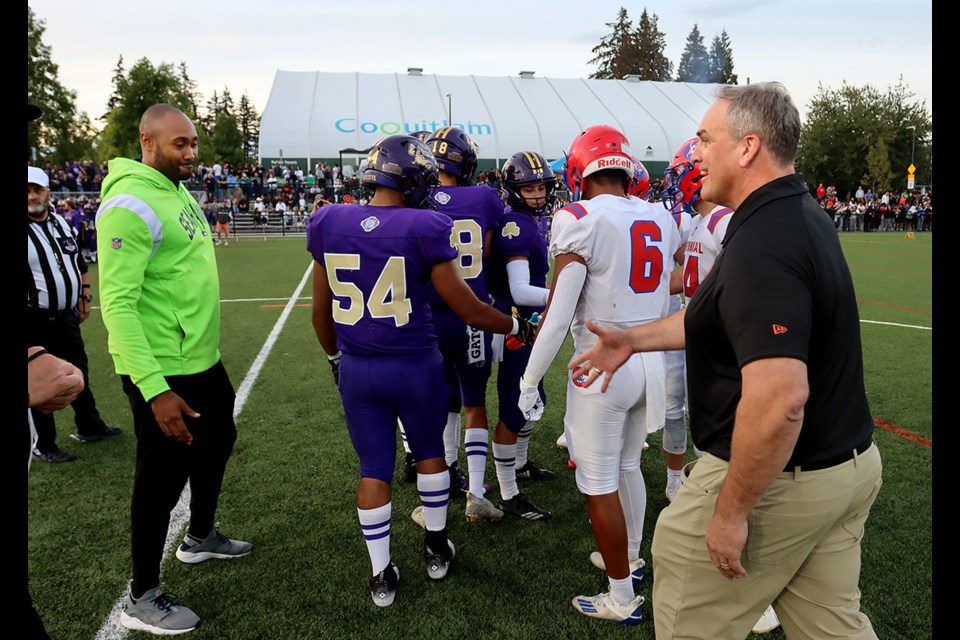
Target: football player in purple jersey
(372,267)
(518,278)
(466,349)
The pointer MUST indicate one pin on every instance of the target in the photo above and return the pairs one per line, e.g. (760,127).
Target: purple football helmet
(524,168)
(403,163)
(455,152)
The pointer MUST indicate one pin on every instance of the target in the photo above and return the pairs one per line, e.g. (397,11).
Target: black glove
(526,331)
(335,367)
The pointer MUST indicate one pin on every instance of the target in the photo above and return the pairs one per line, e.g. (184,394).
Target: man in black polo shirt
(776,400)
(58,300)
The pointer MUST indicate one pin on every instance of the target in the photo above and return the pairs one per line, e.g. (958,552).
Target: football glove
(526,331)
(530,403)
(335,367)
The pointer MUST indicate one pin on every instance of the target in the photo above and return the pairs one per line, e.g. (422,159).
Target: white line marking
(897,324)
(111,629)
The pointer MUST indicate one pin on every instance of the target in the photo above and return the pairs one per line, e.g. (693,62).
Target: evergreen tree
(249,121)
(879,175)
(189,87)
(119,76)
(695,62)
(721,60)
(651,43)
(617,54)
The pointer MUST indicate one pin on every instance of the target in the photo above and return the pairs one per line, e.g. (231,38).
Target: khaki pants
(802,554)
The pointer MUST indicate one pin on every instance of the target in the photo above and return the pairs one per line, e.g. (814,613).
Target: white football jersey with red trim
(703,246)
(628,245)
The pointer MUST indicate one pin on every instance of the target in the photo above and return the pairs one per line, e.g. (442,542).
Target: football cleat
(520,506)
(438,562)
(606,607)
(383,586)
(533,471)
(481,509)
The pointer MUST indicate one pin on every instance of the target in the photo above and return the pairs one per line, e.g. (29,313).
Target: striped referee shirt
(55,264)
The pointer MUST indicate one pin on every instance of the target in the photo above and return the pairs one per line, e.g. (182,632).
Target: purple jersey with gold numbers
(378,262)
(474,211)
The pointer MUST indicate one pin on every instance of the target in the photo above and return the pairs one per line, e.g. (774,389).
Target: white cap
(36,175)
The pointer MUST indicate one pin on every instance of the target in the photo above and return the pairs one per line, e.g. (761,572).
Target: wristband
(36,355)
(84,286)
(335,356)
(516,327)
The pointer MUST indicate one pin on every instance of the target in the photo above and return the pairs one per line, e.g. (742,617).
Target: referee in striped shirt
(58,300)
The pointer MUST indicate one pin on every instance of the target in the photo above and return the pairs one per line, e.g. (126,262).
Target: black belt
(834,461)
(47,313)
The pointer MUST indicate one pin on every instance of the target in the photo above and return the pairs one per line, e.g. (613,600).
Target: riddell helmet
(524,168)
(595,149)
(422,136)
(403,163)
(455,152)
(681,180)
(640,184)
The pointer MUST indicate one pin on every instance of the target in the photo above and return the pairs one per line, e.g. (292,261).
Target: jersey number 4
(646,263)
(388,298)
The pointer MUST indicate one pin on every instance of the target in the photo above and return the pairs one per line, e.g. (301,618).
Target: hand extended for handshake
(527,333)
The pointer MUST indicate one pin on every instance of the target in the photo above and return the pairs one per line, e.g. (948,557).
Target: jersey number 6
(646,262)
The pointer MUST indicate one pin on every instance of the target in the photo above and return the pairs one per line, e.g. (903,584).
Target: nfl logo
(116,243)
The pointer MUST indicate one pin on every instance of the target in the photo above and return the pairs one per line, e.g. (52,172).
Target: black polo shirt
(780,288)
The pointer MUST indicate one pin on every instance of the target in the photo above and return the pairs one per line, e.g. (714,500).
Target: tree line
(851,136)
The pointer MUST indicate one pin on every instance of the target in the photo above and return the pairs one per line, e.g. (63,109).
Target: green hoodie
(159,286)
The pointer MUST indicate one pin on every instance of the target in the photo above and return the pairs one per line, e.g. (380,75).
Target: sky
(241,44)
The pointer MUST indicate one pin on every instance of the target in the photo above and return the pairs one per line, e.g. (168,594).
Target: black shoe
(520,506)
(532,471)
(383,586)
(54,457)
(438,562)
(108,433)
(459,485)
(409,468)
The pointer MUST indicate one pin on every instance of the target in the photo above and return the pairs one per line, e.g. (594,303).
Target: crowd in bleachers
(890,211)
(286,194)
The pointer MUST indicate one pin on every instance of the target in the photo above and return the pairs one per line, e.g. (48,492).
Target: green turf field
(291,482)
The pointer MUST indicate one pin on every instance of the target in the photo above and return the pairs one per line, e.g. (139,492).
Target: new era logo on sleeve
(778,329)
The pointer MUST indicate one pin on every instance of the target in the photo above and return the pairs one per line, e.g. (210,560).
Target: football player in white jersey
(612,257)
(681,191)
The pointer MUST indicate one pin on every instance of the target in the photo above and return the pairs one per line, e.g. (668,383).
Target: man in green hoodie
(160,301)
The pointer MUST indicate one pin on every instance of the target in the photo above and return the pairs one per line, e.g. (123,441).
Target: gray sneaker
(216,545)
(158,613)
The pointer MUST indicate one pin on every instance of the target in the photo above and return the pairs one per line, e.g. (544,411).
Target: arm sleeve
(566,294)
(121,273)
(522,292)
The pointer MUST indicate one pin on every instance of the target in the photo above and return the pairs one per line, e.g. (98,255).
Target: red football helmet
(595,149)
(681,180)
(640,184)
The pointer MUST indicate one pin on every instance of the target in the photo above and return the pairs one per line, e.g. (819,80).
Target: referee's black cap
(33,112)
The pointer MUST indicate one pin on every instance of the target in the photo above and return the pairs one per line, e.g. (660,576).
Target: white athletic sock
(673,475)
(434,489)
(633,499)
(504,457)
(375,524)
(475,445)
(403,437)
(622,590)
(523,442)
(451,438)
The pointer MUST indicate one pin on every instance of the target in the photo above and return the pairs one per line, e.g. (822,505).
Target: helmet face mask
(681,180)
(522,169)
(403,163)
(455,152)
(597,148)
